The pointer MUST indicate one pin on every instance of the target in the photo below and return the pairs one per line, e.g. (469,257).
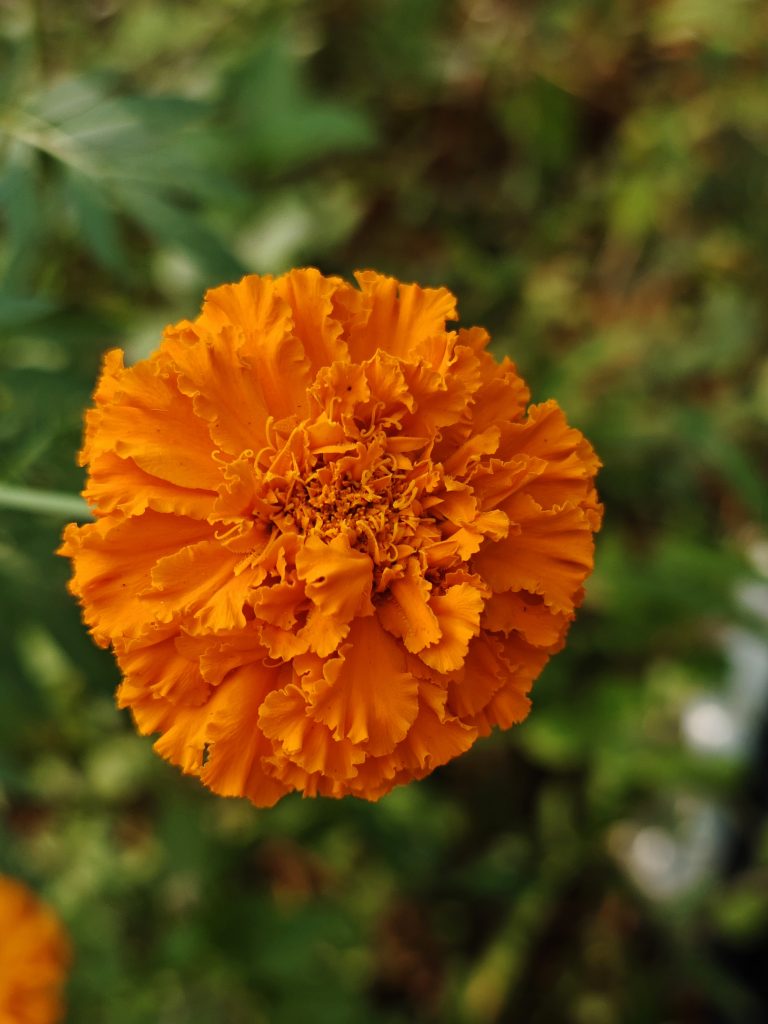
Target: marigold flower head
(333,544)
(34,958)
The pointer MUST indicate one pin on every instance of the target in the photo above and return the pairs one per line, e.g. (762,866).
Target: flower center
(373,505)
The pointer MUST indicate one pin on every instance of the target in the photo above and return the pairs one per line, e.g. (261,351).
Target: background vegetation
(591,178)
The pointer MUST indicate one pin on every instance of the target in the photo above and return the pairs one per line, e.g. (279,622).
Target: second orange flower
(333,542)
(35,956)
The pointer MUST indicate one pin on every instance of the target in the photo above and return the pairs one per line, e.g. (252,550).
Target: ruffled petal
(483,673)
(528,615)
(307,742)
(280,604)
(113,563)
(35,954)
(550,553)
(388,390)
(112,371)
(202,582)
(401,318)
(269,348)
(182,726)
(497,480)
(570,460)
(502,395)
(162,670)
(120,485)
(472,450)
(458,614)
(510,704)
(337,580)
(221,653)
(436,737)
(407,613)
(440,400)
(151,422)
(367,695)
(224,390)
(235,744)
(310,297)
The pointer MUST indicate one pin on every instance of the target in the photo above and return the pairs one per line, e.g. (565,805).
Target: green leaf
(169,224)
(22,212)
(279,121)
(95,220)
(17,310)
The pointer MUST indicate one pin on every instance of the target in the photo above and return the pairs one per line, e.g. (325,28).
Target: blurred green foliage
(591,179)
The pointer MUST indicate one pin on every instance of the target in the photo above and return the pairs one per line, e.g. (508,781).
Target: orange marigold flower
(333,544)
(34,958)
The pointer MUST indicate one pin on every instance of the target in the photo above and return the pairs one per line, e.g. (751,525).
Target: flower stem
(52,503)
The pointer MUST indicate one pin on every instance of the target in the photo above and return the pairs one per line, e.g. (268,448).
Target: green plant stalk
(50,503)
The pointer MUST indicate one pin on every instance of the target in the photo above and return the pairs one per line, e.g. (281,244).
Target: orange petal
(340,388)
(376,776)
(282,644)
(269,348)
(116,484)
(112,371)
(161,670)
(201,581)
(435,737)
(242,508)
(484,443)
(510,704)
(569,479)
(35,955)
(284,718)
(113,561)
(526,613)
(280,603)
(439,400)
(476,338)
(498,480)
(468,540)
(550,555)
(338,581)
(150,421)
(525,661)
(182,728)
(502,396)
(225,391)
(407,613)
(388,389)
(309,784)
(310,297)
(483,673)
(456,502)
(367,695)
(219,655)
(458,614)
(236,744)
(571,463)
(401,318)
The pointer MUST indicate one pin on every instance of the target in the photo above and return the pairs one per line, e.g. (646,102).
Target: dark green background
(591,179)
